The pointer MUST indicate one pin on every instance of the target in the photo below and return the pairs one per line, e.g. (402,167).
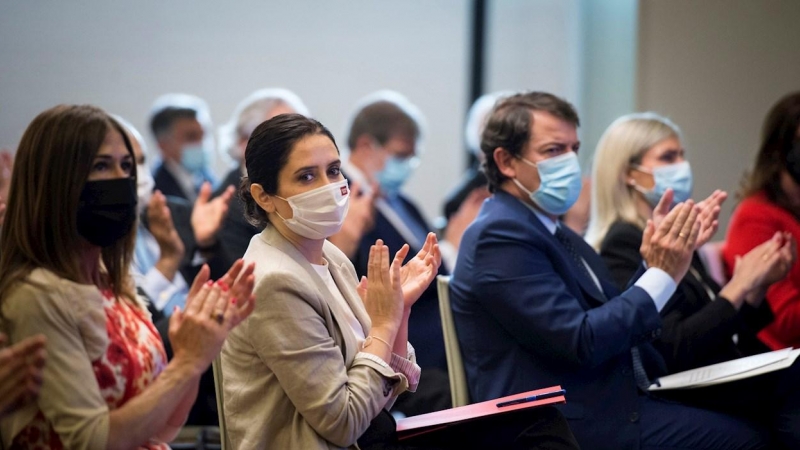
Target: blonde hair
(622,145)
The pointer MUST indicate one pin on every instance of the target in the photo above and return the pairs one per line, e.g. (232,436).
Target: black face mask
(107,210)
(793,162)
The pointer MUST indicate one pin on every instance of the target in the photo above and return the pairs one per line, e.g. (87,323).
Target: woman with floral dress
(67,244)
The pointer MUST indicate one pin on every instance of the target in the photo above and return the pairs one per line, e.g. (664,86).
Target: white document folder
(728,371)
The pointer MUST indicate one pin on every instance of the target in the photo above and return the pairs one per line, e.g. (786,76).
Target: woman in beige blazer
(323,356)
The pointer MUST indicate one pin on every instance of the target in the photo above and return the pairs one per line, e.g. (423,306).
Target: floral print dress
(133,359)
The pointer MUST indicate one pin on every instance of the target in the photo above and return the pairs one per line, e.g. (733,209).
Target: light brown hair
(52,164)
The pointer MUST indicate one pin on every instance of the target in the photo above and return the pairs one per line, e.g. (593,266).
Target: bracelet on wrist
(370,338)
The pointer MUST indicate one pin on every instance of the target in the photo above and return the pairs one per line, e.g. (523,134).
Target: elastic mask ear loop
(276,209)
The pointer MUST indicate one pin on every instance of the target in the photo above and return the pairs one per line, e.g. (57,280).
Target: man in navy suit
(383,137)
(180,125)
(535,306)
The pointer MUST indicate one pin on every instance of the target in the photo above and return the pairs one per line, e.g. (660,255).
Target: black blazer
(236,232)
(167,184)
(697,329)
(217,256)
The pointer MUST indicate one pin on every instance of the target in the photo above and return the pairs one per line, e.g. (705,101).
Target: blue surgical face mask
(193,157)
(396,172)
(560,183)
(677,176)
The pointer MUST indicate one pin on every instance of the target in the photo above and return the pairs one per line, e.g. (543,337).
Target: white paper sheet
(728,371)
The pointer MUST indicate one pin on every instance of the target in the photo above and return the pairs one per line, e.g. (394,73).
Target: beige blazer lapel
(350,345)
(342,275)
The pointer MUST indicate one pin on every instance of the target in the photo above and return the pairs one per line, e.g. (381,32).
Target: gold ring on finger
(219,317)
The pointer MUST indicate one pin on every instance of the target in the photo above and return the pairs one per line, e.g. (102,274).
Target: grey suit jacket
(290,371)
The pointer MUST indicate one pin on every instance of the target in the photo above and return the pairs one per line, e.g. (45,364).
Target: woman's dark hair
(509,127)
(778,137)
(268,152)
(52,164)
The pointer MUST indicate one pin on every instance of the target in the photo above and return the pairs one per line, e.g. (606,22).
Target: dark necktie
(569,246)
(639,374)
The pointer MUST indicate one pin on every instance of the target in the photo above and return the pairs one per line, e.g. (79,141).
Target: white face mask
(144,187)
(318,213)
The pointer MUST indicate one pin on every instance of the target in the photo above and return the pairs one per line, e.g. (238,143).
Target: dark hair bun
(252,212)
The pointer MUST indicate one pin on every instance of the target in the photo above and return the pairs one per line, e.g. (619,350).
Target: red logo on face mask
(343,189)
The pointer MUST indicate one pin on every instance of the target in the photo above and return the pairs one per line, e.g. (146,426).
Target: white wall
(716,67)
(609,68)
(122,55)
(534,45)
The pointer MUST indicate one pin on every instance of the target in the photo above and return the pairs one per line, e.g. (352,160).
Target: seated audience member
(770,203)
(257,107)
(323,356)
(168,226)
(21,367)
(181,126)
(535,306)
(159,250)
(174,238)
(463,202)
(383,136)
(64,273)
(638,159)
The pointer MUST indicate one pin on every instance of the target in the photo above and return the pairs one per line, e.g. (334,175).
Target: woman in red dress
(771,203)
(67,244)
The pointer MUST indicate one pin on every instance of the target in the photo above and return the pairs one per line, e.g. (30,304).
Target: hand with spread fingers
(208,215)
(21,368)
(417,274)
(670,244)
(160,225)
(382,294)
(709,216)
(212,310)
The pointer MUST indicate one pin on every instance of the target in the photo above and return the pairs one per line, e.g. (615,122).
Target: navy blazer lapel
(597,266)
(587,286)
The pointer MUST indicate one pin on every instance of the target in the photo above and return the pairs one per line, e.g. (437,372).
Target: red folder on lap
(425,423)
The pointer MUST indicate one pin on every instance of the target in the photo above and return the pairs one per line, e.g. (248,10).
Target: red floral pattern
(133,359)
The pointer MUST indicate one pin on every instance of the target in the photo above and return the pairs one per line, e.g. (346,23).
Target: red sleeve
(753,222)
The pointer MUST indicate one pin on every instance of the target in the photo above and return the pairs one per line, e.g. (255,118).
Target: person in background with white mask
(172,244)
(159,252)
(181,126)
(384,136)
(535,306)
